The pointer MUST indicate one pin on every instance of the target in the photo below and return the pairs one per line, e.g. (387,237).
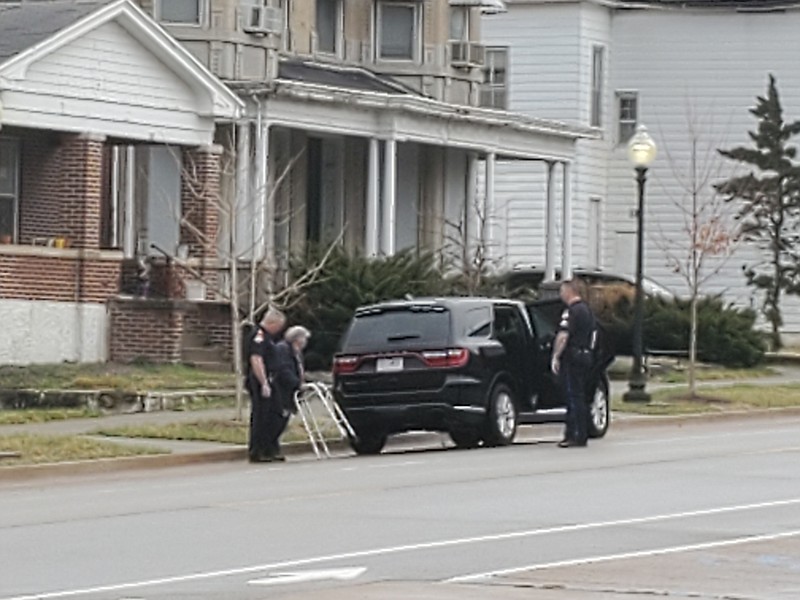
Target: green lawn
(212,430)
(112,376)
(34,449)
(715,400)
(44,415)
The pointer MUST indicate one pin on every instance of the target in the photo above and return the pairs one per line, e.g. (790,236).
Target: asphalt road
(705,510)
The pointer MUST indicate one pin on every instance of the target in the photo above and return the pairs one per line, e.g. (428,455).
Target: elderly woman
(287,376)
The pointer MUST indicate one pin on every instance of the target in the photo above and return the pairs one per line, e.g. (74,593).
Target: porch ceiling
(405,117)
(106,69)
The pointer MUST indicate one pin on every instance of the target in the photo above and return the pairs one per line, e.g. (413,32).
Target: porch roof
(415,118)
(105,67)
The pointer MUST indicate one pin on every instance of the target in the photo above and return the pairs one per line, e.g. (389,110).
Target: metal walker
(303,400)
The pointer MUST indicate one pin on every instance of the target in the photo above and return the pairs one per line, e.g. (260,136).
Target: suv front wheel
(599,412)
(502,424)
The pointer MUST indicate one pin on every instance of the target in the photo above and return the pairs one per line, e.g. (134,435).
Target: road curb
(25,473)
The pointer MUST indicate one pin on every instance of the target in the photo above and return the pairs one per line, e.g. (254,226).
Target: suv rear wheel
(502,424)
(599,413)
(368,443)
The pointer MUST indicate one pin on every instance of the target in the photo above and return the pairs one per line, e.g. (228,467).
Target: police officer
(572,361)
(266,413)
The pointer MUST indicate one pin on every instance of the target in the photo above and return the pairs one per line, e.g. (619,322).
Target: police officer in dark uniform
(572,361)
(266,412)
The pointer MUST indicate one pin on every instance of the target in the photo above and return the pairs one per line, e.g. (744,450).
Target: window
(9,189)
(628,115)
(494,91)
(598,55)
(459,23)
(180,12)
(330,23)
(398,31)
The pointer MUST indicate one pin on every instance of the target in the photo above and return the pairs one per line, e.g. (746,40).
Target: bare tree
(709,233)
(248,296)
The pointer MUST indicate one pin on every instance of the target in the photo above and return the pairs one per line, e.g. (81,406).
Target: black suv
(472,367)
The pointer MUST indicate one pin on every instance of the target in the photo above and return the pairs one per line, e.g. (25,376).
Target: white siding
(711,64)
(107,82)
(544,74)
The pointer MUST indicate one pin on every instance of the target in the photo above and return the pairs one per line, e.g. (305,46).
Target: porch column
(550,230)
(200,206)
(389,213)
(566,226)
(263,209)
(372,231)
(241,220)
(81,185)
(473,236)
(489,202)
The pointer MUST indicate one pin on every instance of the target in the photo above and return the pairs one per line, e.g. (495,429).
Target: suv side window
(478,322)
(509,328)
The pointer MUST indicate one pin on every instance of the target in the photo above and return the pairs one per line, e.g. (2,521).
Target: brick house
(85,87)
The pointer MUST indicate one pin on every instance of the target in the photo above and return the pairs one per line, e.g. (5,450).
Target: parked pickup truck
(472,367)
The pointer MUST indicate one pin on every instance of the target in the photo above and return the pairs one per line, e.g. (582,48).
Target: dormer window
(329,26)
(180,12)
(398,29)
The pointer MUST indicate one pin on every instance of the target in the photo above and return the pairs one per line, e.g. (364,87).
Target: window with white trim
(459,23)
(598,59)
(398,31)
(180,12)
(628,115)
(330,26)
(494,90)
(9,189)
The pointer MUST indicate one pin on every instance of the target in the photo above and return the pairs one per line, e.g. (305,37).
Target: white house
(613,65)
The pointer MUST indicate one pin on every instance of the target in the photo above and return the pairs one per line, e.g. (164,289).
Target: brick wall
(58,278)
(145,329)
(213,323)
(39,210)
(61,189)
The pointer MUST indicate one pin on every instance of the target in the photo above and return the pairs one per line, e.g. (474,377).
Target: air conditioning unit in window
(259,19)
(467,54)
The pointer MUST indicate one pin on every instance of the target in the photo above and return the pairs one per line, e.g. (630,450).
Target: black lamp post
(641,152)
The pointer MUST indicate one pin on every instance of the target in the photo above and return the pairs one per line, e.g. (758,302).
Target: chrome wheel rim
(599,409)
(506,415)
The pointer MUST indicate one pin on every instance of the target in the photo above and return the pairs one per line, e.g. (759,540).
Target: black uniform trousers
(267,423)
(573,376)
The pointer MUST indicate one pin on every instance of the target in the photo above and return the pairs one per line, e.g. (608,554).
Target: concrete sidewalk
(194,452)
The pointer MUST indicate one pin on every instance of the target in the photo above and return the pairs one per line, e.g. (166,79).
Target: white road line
(626,555)
(403,548)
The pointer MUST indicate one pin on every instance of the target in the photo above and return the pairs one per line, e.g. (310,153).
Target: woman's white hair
(295,333)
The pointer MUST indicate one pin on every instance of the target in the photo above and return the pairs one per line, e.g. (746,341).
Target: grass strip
(715,400)
(36,449)
(213,430)
(110,376)
(44,415)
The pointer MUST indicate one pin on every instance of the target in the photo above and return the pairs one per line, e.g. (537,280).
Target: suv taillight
(345,364)
(455,357)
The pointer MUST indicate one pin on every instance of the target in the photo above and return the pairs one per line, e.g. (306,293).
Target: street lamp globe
(642,149)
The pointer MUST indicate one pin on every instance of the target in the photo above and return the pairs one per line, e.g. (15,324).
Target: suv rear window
(398,328)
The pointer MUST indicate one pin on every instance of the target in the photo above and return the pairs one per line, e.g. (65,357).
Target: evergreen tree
(768,203)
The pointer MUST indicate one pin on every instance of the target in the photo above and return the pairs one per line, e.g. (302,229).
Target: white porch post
(263,232)
(550,231)
(489,202)
(472,237)
(241,214)
(389,196)
(372,230)
(566,226)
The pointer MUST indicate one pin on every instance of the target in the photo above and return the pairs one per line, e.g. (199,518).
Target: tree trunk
(693,346)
